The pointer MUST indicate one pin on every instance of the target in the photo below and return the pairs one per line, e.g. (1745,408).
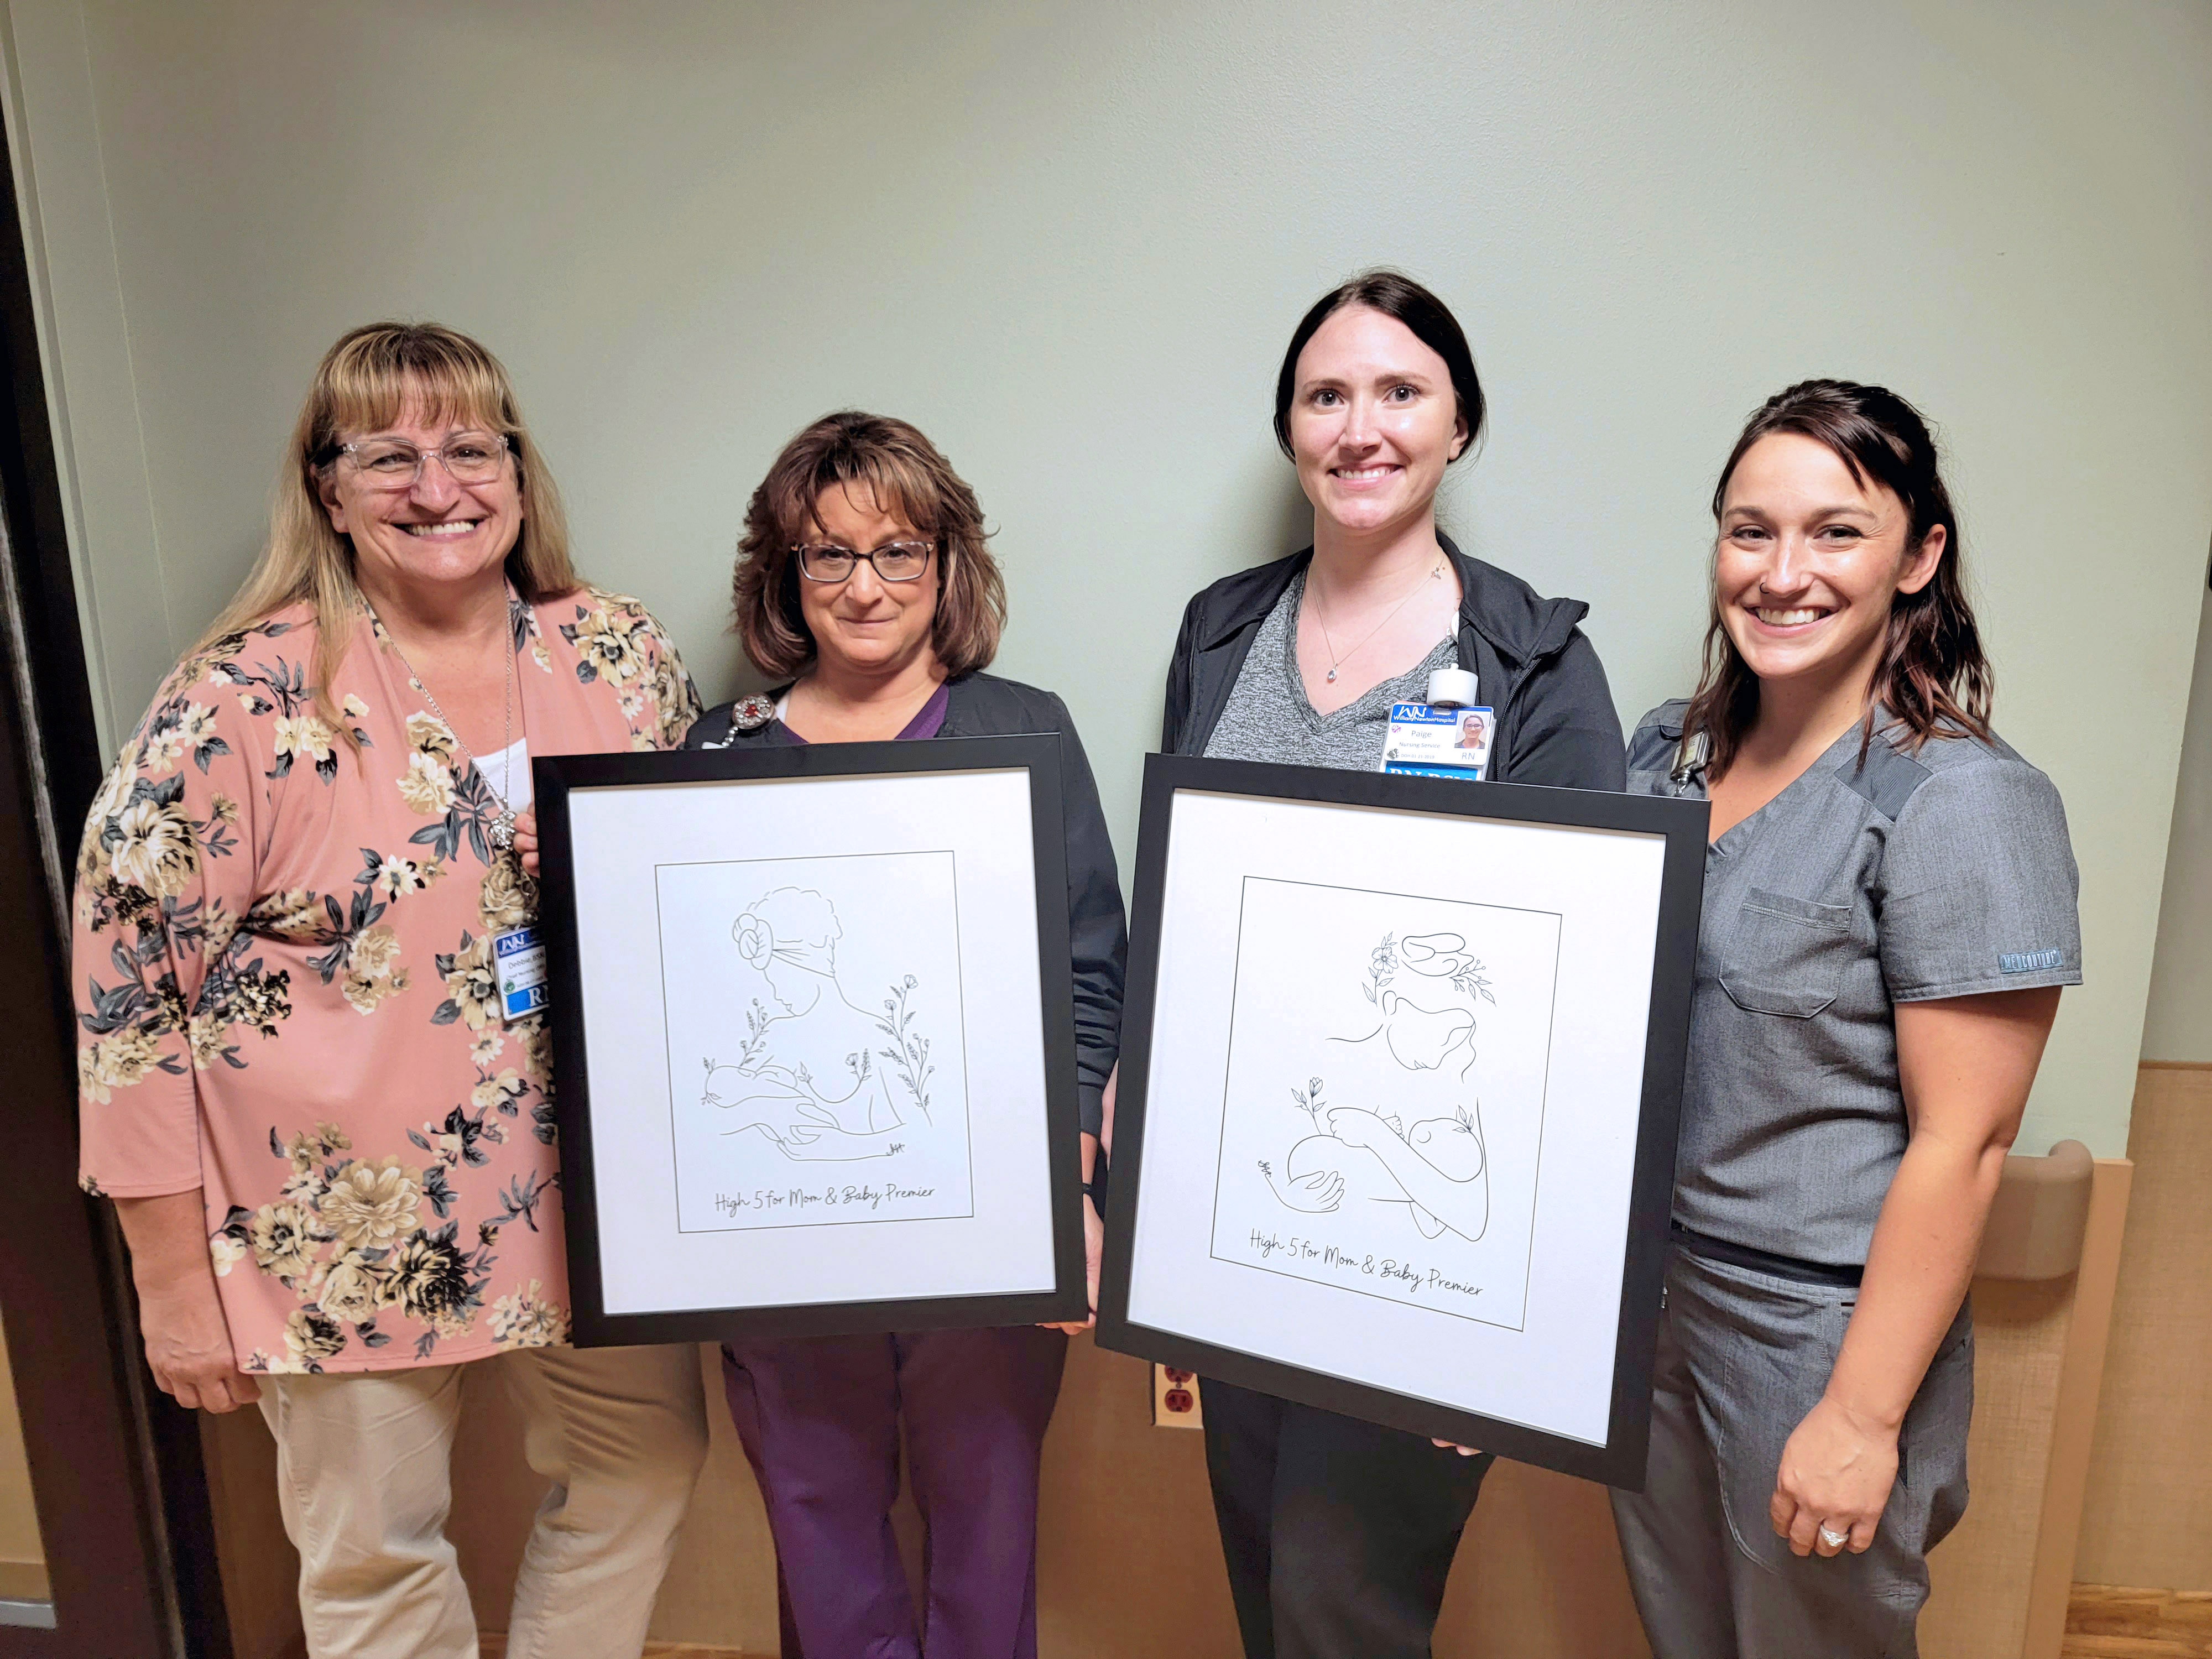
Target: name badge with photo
(1427,741)
(518,958)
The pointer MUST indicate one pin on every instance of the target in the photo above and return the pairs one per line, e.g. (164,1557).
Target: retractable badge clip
(1446,736)
(1690,756)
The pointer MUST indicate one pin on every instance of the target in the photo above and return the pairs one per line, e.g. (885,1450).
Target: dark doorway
(114,1466)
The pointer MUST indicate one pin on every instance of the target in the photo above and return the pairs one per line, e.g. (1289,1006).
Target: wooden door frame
(116,1474)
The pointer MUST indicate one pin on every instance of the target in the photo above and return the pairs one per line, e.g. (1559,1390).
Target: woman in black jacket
(1340,1533)
(863,580)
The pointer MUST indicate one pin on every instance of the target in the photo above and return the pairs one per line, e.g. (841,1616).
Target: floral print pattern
(286,993)
(616,645)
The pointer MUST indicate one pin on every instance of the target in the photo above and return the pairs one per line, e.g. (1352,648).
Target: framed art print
(1401,1066)
(814,1038)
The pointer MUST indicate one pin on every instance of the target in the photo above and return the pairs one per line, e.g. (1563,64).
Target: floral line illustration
(1437,1169)
(811,1026)
(909,1053)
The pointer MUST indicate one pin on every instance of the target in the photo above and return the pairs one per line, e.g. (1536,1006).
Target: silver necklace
(1335,658)
(501,835)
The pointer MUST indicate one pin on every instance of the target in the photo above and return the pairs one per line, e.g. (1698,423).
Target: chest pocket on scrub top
(1787,955)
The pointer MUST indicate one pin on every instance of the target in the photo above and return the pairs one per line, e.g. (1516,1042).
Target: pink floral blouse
(282,958)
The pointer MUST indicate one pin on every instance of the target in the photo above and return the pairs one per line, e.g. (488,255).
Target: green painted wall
(1069,241)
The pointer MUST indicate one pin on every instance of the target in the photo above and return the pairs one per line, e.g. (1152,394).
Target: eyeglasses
(469,458)
(894,561)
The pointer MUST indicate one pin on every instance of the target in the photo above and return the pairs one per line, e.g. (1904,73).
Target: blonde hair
(362,384)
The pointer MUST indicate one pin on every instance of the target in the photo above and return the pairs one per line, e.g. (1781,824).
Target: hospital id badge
(1427,741)
(519,959)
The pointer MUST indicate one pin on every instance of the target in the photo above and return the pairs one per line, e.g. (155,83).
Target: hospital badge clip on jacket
(1446,736)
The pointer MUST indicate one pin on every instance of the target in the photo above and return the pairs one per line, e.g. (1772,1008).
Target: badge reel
(1447,737)
(519,959)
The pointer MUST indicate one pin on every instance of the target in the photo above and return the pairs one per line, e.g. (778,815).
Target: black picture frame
(1619,1461)
(556,779)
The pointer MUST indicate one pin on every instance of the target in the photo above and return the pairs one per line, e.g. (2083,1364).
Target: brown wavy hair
(908,478)
(1933,677)
(362,384)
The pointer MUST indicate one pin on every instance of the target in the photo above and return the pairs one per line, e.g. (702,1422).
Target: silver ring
(1833,1539)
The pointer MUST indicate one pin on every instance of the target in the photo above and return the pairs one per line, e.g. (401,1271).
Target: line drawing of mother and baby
(1425,989)
(821,1077)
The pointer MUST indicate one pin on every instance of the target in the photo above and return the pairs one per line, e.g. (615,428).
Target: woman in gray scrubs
(1889,912)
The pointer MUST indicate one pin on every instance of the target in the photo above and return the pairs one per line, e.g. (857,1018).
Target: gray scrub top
(1945,873)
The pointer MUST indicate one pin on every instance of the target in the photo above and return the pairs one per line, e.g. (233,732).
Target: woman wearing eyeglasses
(863,582)
(329,1149)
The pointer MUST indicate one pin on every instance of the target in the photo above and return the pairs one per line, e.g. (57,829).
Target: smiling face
(1373,421)
(864,623)
(435,534)
(1808,561)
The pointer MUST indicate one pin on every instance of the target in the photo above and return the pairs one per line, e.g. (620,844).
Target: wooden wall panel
(2147,1519)
(2081,1386)
(1128,1560)
(2000,1582)
(260,1568)
(22,1557)
(1539,1575)
(1978,1608)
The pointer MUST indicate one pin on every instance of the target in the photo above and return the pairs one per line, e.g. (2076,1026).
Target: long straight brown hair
(1933,679)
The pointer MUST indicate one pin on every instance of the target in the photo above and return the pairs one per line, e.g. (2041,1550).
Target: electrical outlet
(1175,1399)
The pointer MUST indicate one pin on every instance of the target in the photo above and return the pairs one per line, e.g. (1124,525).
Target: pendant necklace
(1334,657)
(502,833)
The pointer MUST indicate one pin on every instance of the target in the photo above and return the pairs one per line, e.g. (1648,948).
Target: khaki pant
(364,1474)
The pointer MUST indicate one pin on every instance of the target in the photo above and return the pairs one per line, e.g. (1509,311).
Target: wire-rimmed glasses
(894,561)
(469,458)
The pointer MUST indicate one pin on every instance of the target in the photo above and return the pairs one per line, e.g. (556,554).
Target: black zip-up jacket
(984,705)
(1556,721)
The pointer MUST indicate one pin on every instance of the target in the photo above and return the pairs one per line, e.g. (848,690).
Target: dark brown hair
(1430,319)
(1932,678)
(906,477)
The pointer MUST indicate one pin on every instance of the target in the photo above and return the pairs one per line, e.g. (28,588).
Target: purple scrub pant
(820,1421)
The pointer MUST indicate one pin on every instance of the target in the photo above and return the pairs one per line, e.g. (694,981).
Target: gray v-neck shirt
(1269,716)
(1946,873)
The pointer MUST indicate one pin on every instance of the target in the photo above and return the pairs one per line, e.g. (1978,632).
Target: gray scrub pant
(1743,1356)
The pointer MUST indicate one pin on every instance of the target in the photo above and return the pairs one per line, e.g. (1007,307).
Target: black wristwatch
(1094,1188)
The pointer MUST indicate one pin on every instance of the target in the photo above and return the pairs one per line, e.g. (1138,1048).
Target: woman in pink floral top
(332,1150)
